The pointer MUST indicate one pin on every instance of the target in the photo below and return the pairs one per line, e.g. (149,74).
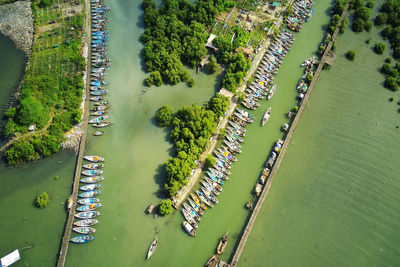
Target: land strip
(82,145)
(274,171)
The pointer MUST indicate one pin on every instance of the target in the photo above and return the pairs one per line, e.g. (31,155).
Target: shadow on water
(159,178)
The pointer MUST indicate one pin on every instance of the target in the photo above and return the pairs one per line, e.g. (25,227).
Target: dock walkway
(82,147)
(264,194)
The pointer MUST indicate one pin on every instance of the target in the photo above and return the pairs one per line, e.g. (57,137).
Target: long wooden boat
(89,194)
(237,126)
(92,179)
(93,166)
(271,92)
(222,244)
(198,201)
(210,187)
(195,206)
(85,201)
(89,187)
(99,92)
(212,262)
(209,195)
(213,184)
(191,211)
(94,158)
(82,239)
(204,199)
(152,248)
(98,113)
(87,214)
(102,124)
(189,218)
(84,230)
(87,222)
(266,116)
(92,172)
(98,133)
(99,108)
(96,98)
(98,119)
(189,229)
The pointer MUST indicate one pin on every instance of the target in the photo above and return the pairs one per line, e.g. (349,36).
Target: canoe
(189,229)
(102,103)
(81,239)
(191,211)
(89,207)
(98,119)
(92,179)
(99,108)
(98,133)
(99,92)
(213,184)
(98,113)
(266,117)
(96,98)
(204,199)
(89,187)
(89,194)
(84,230)
(209,195)
(152,248)
(198,201)
(102,124)
(87,222)
(245,113)
(210,187)
(92,172)
(271,92)
(222,244)
(236,126)
(86,201)
(87,214)
(94,158)
(189,218)
(212,262)
(195,207)
(93,166)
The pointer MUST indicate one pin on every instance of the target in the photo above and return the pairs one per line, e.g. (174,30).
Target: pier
(82,146)
(326,58)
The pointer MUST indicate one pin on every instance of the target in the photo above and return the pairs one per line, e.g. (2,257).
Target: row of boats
(88,203)
(303,84)
(100,64)
(302,11)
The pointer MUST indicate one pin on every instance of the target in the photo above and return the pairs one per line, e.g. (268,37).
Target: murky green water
(335,200)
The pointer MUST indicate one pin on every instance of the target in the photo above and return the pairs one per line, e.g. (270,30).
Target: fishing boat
(213,184)
(243,118)
(94,158)
(152,248)
(89,193)
(210,187)
(84,230)
(98,113)
(216,179)
(81,239)
(302,81)
(191,211)
(198,201)
(271,92)
(92,172)
(189,218)
(87,214)
(99,92)
(266,117)
(222,169)
(222,244)
(204,199)
(212,262)
(102,103)
(238,127)
(89,187)
(102,124)
(189,229)
(99,108)
(209,195)
(98,119)
(96,98)
(98,133)
(195,207)
(87,222)
(92,179)
(85,201)
(93,166)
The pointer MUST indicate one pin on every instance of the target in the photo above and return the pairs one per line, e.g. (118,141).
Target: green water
(335,199)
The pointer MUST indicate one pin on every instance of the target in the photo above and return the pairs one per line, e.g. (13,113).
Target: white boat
(271,92)
(152,248)
(94,158)
(266,116)
(189,229)
(10,259)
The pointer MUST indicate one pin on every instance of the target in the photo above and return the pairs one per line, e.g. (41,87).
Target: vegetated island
(50,98)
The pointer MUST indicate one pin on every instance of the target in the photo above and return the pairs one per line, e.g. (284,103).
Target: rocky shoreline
(16,22)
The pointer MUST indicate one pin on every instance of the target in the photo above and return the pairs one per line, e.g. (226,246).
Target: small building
(209,44)
(31,127)
(274,5)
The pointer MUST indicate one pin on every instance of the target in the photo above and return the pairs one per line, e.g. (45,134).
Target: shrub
(379,48)
(165,207)
(350,55)
(191,82)
(380,19)
(213,65)
(210,161)
(391,83)
(164,116)
(42,200)
(10,113)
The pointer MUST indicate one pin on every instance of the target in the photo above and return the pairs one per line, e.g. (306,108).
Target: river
(335,200)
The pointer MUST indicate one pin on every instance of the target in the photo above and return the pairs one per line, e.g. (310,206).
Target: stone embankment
(16,22)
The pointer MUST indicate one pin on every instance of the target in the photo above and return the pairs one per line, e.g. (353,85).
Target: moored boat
(102,124)
(204,199)
(94,158)
(209,195)
(90,193)
(89,187)
(87,222)
(87,214)
(266,117)
(152,248)
(93,166)
(222,244)
(81,239)
(213,183)
(85,201)
(271,92)
(189,218)
(98,119)
(212,262)
(195,206)
(189,229)
(84,230)
(198,201)
(191,211)
(92,172)
(98,133)
(92,179)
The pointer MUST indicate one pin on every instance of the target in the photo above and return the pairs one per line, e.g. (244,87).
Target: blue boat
(89,187)
(99,92)
(216,179)
(81,239)
(90,193)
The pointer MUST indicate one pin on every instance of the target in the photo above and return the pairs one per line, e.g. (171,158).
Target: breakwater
(326,56)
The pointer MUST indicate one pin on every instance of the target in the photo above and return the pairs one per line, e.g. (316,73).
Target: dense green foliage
(392,80)
(192,127)
(236,72)
(213,65)
(209,162)
(175,34)
(389,14)
(154,78)
(42,200)
(350,55)
(165,207)
(379,48)
(164,116)
(361,19)
(51,92)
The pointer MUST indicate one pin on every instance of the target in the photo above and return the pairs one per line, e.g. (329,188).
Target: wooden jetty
(260,202)
(82,148)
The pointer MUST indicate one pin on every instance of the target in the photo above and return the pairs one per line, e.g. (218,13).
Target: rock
(16,22)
